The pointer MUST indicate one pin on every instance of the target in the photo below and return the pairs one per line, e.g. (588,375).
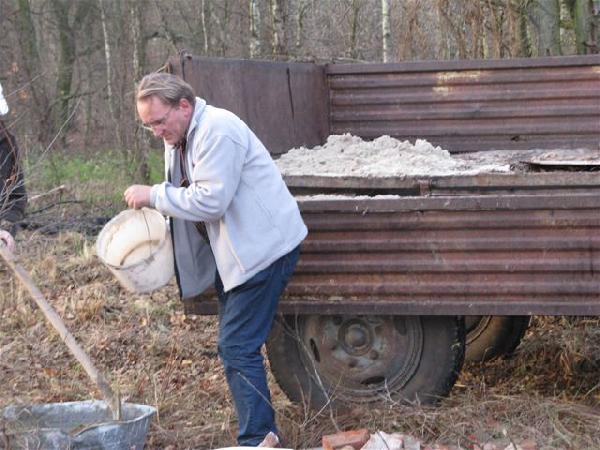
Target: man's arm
(214,181)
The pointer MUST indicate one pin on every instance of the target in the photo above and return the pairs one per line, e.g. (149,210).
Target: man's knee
(237,357)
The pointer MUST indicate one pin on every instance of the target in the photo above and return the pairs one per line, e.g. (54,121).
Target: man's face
(166,121)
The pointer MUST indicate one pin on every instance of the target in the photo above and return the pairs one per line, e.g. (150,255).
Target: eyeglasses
(158,122)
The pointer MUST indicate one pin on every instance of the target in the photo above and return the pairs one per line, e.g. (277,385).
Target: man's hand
(137,196)
(7,240)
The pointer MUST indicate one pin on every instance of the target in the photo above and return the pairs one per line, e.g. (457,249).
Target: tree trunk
(66,59)
(524,37)
(278,29)
(222,25)
(114,117)
(385,29)
(496,14)
(302,6)
(32,67)
(254,29)
(67,25)
(141,142)
(546,18)
(595,32)
(168,33)
(204,28)
(354,28)
(582,23)
(442,36)
(512,18)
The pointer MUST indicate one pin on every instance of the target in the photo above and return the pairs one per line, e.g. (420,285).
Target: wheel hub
(362,357)
(356,339)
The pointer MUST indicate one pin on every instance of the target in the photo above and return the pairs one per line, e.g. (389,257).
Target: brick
(354,438)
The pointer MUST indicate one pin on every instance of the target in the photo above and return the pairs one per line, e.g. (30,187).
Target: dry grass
(548,391)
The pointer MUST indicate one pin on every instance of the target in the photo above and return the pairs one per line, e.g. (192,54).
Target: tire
(340,360)
(489,337)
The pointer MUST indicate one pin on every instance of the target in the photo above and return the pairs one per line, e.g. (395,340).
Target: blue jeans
(246,315)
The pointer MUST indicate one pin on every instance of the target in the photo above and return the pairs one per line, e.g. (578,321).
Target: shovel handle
(110,397)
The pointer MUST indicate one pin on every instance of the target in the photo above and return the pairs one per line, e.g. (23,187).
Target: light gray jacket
(236,189)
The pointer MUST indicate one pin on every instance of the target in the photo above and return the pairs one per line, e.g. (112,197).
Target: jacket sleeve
(218,164)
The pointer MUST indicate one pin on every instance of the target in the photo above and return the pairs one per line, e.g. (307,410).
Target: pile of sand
(347,155)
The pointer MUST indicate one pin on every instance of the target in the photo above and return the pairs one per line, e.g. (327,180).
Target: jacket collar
(199,108)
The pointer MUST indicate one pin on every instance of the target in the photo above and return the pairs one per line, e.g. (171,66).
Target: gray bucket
(75,426)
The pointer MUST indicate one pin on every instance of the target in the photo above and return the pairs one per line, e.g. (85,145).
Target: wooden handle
(110,397)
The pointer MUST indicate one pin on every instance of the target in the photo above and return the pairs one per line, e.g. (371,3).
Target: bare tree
(141,143)
(583,25)
(204,27)
(67,26)
(302,7)
(523,7)
(546,20)
(222,23)
(32,65)
(278,45)
(254,28)
(385,30)
(110,99)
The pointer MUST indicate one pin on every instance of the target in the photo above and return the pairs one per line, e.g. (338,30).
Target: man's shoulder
(218,121)
(214,113)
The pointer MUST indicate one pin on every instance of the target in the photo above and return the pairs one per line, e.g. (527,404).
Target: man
(13,197)
(223,188)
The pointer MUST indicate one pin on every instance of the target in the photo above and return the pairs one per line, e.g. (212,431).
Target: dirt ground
(548,391)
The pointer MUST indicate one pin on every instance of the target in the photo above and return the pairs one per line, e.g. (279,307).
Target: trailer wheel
(343,359)
(489,337)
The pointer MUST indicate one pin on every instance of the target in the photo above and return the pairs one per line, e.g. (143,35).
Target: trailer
(399,276)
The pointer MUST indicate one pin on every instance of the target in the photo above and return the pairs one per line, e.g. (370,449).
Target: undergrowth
(93,178)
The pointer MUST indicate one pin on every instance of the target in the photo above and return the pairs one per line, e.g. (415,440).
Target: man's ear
(185,104)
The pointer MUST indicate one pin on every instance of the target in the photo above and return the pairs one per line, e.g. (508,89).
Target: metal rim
(361,358)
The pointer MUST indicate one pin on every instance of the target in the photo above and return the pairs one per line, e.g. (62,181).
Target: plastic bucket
(136,247)
(75,425)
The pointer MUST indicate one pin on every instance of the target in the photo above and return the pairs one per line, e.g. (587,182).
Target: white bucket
(136,247)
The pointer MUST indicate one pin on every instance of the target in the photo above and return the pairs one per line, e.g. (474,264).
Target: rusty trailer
(398,273)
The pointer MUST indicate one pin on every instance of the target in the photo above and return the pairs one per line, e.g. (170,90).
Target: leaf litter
(548,391)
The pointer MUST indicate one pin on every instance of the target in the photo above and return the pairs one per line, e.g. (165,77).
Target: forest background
(69,67)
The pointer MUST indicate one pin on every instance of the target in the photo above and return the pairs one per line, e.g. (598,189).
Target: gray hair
(170,89)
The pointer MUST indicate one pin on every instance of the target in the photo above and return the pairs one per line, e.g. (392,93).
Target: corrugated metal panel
(488,255)
(472,105)
(271,97)
(430,256)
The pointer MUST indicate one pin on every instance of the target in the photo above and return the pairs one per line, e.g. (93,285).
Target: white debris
(382,440)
